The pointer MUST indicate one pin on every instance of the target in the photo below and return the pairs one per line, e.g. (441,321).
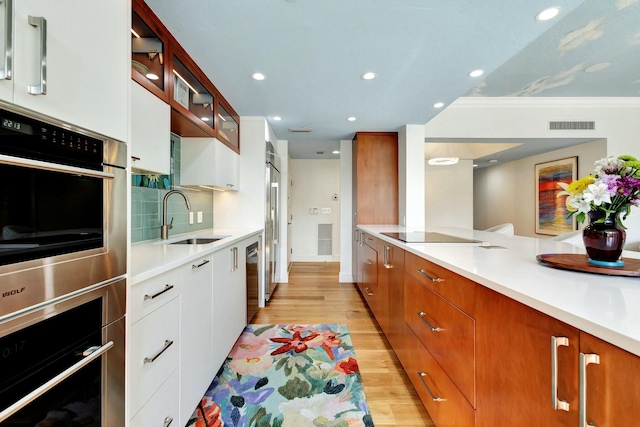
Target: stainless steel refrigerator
(272,221)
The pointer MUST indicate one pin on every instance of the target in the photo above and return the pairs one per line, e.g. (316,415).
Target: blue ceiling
(314,53)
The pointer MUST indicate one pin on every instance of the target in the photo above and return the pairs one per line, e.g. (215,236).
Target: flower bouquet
(606,196)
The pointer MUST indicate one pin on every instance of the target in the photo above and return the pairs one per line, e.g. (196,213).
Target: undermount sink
(197,241)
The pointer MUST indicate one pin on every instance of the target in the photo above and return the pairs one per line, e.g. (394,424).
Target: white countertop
(607,307)
(153,257)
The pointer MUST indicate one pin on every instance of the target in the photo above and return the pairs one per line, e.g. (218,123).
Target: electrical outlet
(190,217)
(199,217)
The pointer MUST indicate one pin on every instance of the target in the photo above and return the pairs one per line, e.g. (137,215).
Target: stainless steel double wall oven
(62,274)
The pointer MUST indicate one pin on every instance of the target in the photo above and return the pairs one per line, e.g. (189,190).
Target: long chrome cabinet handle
(53,167)
(167,422)
(433,279)
(41,87)
(6,73)
(167,288)
(54,382)
(167,344)
(368,261)
(368,291)
(433,397)
(206,261)
(433,328)
(386,256)
(558,405)
(234,259)
(585,360)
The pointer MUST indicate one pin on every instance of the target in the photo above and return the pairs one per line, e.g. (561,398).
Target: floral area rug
(287,376)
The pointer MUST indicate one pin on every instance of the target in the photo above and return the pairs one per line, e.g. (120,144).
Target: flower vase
(604,239)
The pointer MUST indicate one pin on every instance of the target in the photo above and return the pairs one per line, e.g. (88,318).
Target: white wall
(448,195)
(316,181)
(616,121)
(346,212)
(506,193)
(411,186)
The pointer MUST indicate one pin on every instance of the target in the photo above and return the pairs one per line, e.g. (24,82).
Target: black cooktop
(428,237)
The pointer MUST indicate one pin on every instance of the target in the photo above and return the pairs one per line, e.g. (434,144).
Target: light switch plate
(199,217)
(190,217)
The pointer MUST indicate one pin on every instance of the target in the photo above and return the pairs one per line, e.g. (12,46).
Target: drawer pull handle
(135,158)
(433,279)
(167,288)
(368,261)
(585,360)
(433,397)
(368,291)
(433,328)
(206,261)
(167,344)
(558,405)
(167,422)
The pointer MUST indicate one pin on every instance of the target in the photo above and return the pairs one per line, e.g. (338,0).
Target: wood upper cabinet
(517,361)
(375,178)
(161,65)
(610,383)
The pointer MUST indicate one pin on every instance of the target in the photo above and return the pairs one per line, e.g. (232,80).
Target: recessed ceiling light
(476,73)
(597,67)
(547,14)
(438,105)
(152,76)
(204,119)
(475,165)
(258,76)
(277,118)
(493,161)
(443,161)
(351,119)
(336,152)
(369,76)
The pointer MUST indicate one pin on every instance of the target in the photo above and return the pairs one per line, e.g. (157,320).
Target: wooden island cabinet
(479,358)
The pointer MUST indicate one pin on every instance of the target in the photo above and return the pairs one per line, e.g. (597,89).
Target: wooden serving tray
(579,262)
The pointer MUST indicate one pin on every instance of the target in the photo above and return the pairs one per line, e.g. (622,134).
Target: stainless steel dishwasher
(252,281)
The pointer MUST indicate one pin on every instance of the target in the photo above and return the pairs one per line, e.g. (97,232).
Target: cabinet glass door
(192,95)
(227,127)
(147,54)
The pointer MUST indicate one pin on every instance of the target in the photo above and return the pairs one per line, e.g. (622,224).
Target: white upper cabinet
(207,161)
(68,59)
(150,146)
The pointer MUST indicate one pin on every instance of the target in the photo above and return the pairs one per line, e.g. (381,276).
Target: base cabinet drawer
(162,408)
(445,331)
(446,405)
(151,294)
(154,354)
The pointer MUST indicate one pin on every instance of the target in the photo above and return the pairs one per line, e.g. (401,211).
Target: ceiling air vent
(304,129)
(572,125)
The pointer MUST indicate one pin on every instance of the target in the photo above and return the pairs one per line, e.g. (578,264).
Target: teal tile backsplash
(146,212)
(147,194)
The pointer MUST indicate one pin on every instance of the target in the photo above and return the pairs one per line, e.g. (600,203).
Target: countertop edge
(151,258)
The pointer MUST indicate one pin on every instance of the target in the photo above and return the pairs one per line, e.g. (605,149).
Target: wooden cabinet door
(611,384)
(396,325)
(375,178)
(514,365)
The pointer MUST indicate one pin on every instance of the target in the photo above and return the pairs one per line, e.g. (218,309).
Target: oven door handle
(54,167)
(54,382)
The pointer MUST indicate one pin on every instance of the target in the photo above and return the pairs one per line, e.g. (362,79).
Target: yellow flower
(577,187)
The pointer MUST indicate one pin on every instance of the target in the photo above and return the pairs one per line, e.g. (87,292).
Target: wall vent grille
(297,130)
(325,239)
(572,125)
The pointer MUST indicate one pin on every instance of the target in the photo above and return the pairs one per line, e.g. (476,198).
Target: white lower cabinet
(154,350)
(183,323)
(196,331)
(229,299)
(162,408)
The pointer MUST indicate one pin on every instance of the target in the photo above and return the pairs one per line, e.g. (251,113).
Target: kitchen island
(488,332)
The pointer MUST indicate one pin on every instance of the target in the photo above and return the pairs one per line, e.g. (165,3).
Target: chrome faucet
(164,228)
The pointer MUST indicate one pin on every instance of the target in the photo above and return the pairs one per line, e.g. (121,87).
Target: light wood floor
(313,295)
